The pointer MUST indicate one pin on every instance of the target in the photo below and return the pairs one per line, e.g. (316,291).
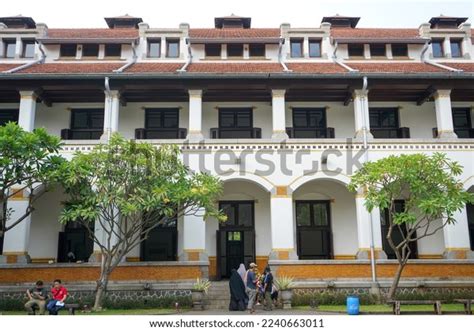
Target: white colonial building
(283,116)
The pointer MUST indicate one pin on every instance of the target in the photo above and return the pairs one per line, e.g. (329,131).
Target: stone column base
(447,134)
(360,135)
(458,254)
(15,258)
(195,137)
(283,254)
(279,135)
(364,254)
(194,255)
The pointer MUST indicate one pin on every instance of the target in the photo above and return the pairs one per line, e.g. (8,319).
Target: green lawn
(449,307)
(110,312)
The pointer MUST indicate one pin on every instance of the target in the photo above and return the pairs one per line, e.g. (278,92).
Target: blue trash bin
(352,303)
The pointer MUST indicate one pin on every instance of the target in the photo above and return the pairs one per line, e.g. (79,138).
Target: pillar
(194,238)
(282,225)
(361,114)
(364,230)
(195,115)
(26,116)
(16,240)
(111,113)
(447,47)
(444,116)
(278,115)
(456,238)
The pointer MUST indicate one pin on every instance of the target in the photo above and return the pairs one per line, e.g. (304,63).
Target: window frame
(6,43)
(61,50)
(240,49)
(375,46)
(170,41)
(352,46)
(151,41)
(405,48)
(257,45)
(379,110)
(89,112)
(93,47)
(299,41)
(467,112)
(441,48)
(235,111)
(313,41)
(119,47)
(208,47)
(161,112)
(458,42)
(312,203)
(25,43)
(235,206)
(308,112)
(12,116)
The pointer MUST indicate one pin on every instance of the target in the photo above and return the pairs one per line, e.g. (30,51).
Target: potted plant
(198,292)
(285,287)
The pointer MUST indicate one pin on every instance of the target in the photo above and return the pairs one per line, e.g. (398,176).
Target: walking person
(59,294)
(267,288)
(252,287)
(238,295)
(36,298)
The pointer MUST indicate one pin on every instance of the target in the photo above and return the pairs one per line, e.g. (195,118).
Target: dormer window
(90,50)
(377,50)
(154,48)
(399,50)
(456,48)
(296,46)
(113,50)
(314,48)
(213,50)
(355,50)
(235,50)
(257,50)
(172,48)
(28,49)
(68,50)
(437,46)
(9,47)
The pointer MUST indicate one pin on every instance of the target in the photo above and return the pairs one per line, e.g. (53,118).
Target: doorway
(75,244)
(235,237)
(161,244)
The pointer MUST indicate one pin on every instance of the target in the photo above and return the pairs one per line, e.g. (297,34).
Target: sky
(264,13)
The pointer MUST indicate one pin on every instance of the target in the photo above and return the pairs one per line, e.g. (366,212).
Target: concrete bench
(467,305)
(396,304)
(71,308)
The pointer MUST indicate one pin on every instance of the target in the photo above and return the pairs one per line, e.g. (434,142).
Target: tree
(128,188)
(430,190)
(29,164)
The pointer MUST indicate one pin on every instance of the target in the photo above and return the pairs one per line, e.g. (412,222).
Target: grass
(449,307)
(109,312)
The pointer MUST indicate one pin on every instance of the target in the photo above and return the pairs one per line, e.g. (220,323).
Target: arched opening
(326,227)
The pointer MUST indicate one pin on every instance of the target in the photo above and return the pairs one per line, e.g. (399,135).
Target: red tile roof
(316,68)
(8,66)
(71,68)
(154,67)
(365,33)
(234,33)
(91,33)
(397,67)
(235,67)
(469,67)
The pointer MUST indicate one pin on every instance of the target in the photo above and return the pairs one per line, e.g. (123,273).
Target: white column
(305,47)
(456,238)
(195,115)
(194,238)
(365,230)
(111,113)
(447,47)
(26,118)
(282,226)
(361,114)
(444,115)
(163,47)
(16,240)
(278,114)
(18,48)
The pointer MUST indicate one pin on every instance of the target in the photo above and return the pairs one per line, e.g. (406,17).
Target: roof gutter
(280,59)
(335,59)
(190,57)
(134,59)
(442,66)
(27,65)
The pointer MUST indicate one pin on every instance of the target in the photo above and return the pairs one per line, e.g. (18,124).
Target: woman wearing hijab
(238,297)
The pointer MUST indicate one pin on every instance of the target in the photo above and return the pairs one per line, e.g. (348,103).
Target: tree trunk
(396,280)
(101,288)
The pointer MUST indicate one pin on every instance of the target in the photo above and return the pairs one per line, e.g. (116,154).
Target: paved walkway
(259,311)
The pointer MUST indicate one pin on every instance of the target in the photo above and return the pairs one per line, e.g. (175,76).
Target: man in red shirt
(59,294)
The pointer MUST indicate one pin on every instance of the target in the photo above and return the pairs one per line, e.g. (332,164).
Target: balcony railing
(178,133)
(390,133)
(236,133)
(310,133)
(461,133)
(80,134)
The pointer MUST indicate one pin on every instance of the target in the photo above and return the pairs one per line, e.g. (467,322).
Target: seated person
(59,294)
(36,298)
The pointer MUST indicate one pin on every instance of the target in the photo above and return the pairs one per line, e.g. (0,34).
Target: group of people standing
(38,298)
(248,288)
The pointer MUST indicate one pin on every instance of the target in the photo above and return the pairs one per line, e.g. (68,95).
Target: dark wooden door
(313,230)
(470,220)
(74,239)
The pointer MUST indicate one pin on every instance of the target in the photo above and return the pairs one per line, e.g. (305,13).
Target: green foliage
(202,285)
(284,283)
(428,184)
(28,160)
